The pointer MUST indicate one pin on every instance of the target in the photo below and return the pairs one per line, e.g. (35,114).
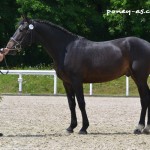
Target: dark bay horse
(78,60)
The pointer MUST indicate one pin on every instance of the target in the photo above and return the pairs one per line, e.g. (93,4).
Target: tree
(80,17)
(87,18)
(8,15)
(135,22)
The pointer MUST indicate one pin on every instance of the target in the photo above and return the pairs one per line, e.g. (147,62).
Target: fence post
(127,86)
(91,89)
(20,82)
(55,84)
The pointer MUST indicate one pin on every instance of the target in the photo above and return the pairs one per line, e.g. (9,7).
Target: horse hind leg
(141,82)
(147,128)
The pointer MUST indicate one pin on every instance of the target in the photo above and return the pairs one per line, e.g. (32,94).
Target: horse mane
(55,26)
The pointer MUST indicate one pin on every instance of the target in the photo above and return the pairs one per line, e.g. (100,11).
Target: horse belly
(101,77)
(106,72)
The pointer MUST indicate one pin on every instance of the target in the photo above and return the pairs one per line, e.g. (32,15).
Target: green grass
(114,88)
(36,84)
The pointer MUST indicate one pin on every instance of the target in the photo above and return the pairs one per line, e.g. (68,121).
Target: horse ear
(25,18)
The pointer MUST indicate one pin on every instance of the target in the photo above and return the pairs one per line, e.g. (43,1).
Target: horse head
(22,37)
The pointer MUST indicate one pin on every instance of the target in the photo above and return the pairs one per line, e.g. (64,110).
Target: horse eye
(26,28)
(20,30)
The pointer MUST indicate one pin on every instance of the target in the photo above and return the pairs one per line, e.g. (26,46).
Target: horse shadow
(32,135)
(67,134)
(112,133)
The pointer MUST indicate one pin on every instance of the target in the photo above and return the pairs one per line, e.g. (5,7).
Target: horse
(78,60)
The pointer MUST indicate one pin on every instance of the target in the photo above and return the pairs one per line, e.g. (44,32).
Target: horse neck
(54,41)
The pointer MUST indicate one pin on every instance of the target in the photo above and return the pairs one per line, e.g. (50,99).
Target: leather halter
(18,44)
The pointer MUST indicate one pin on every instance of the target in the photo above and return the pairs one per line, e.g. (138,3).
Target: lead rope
(6,67)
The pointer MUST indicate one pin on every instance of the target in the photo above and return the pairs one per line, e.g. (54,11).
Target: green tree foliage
(8,15)
(78,16)
(134,24)
(87,18)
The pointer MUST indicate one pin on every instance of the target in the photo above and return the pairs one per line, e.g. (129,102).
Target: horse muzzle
(13,47)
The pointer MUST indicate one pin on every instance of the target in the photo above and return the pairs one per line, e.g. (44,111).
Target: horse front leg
(72,104)
(78,88)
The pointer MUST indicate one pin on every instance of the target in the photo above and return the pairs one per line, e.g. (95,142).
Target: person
(3,52)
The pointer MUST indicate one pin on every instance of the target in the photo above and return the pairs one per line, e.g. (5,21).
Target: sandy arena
(39,123)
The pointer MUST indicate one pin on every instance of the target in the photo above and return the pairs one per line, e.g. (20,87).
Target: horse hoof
(82,132)
(69,130)
(146,131)
(137,131)
(1,134)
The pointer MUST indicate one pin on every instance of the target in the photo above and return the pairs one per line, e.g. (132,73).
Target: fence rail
(20,73)
(31,72)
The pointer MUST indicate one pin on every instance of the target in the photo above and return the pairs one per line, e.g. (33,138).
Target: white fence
(31,72)
(20,73)
(127,87)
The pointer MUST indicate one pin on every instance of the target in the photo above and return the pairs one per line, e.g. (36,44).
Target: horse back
(97,61)
(104,61)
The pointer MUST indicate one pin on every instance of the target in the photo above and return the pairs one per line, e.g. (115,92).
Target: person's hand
(1,57)
(3,52)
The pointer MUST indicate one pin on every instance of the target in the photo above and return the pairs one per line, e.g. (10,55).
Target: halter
(17,47)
